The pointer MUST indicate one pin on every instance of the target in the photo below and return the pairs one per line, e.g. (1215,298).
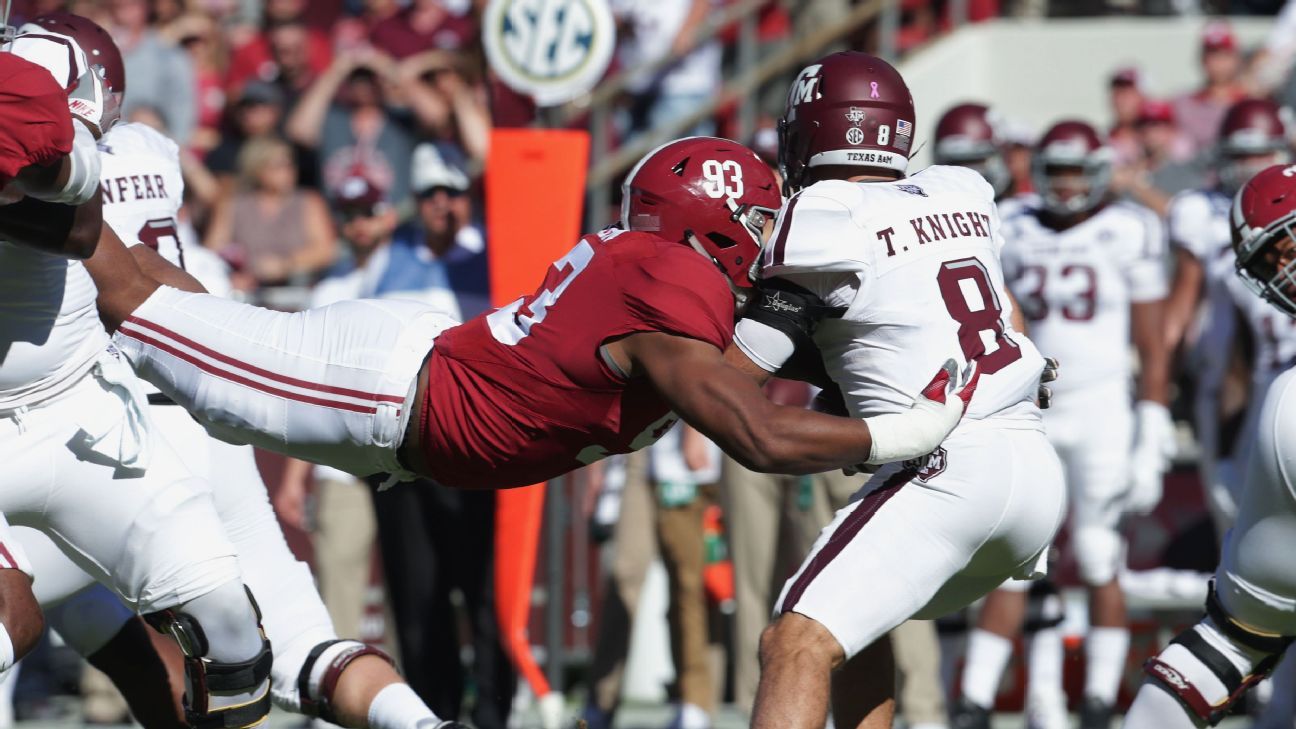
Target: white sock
(398,707)
(693,716)
(987,657)
(1106,650)
(1045,663)
(1155,708)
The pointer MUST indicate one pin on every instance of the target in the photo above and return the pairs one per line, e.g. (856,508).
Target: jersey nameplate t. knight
(915,263)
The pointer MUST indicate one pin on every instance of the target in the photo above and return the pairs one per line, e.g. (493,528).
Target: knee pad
(205,678)
(1098,551)
(1201,676)
(320,673)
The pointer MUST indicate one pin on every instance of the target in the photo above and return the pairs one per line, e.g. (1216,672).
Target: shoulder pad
(137,138)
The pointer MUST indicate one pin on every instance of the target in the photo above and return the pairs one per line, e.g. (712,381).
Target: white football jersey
(50,333)
(915,263)
(142,194)
(1075,286)
(142,188)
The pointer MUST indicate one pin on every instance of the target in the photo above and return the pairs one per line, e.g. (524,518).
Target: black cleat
(1095,714)
(968,715)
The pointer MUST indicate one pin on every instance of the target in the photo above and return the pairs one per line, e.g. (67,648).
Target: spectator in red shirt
(1199,113)
(287,49)
(426,25)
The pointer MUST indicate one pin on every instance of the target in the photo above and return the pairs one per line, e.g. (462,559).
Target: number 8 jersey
(1075,286)
(915,263)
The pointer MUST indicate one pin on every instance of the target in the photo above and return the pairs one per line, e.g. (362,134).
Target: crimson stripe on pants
(7,560)
(851,526)
(330,389)
(237,379)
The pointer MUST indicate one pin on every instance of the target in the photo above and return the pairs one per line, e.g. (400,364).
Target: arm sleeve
(1188,225)
(770,348)
(83,178)
(35,125)
(680,292)
(1146,271)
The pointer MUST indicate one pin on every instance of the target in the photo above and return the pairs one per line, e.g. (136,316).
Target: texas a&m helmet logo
(806,86)
(929,466)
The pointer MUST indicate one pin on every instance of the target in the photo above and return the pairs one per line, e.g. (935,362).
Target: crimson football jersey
(524,393)
(35,125)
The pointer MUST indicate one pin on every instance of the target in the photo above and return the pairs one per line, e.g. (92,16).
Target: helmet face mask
(6,31)
(1071,169)
(1263,223)
(966,137)
(1270,268)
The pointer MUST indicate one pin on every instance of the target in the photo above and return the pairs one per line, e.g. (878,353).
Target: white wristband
(914,433)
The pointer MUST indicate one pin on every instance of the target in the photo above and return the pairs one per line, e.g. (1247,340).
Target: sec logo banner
(551,50)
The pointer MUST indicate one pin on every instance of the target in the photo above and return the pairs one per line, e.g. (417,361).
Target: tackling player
(1207,297)
(81,466)
(1089,275)
(627,329)
(1251,611)
(910,268)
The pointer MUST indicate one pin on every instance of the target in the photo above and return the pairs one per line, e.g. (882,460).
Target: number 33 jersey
(915,263)
(525,393)
(1075,286)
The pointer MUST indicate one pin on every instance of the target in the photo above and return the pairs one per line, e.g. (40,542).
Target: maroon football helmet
(1263,220)
(101,53)
(1251,138)
(712,194)
(847,108)
(965,136)
(1071,168)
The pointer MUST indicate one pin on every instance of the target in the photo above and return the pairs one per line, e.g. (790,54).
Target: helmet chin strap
(6,31)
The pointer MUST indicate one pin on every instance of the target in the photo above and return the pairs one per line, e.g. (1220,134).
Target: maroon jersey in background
(523,394)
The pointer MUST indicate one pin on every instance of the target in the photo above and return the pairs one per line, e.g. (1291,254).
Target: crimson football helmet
(1071,168)
(1263,222)
(102,55)
(710,193)
(1251,138)
(849,109)
(965,136)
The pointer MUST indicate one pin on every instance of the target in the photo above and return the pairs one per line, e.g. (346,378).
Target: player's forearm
(122,283)
(1147,322)
(1182,301)
(159,269)
(70,231)
(782,439)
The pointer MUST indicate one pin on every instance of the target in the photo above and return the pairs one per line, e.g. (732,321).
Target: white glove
(933,415)
(1154,446)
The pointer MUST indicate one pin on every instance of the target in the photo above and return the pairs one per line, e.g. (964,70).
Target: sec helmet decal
(551,50)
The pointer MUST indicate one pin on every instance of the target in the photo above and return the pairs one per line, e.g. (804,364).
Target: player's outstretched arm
(727,406)
(70,231)
(126,277)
